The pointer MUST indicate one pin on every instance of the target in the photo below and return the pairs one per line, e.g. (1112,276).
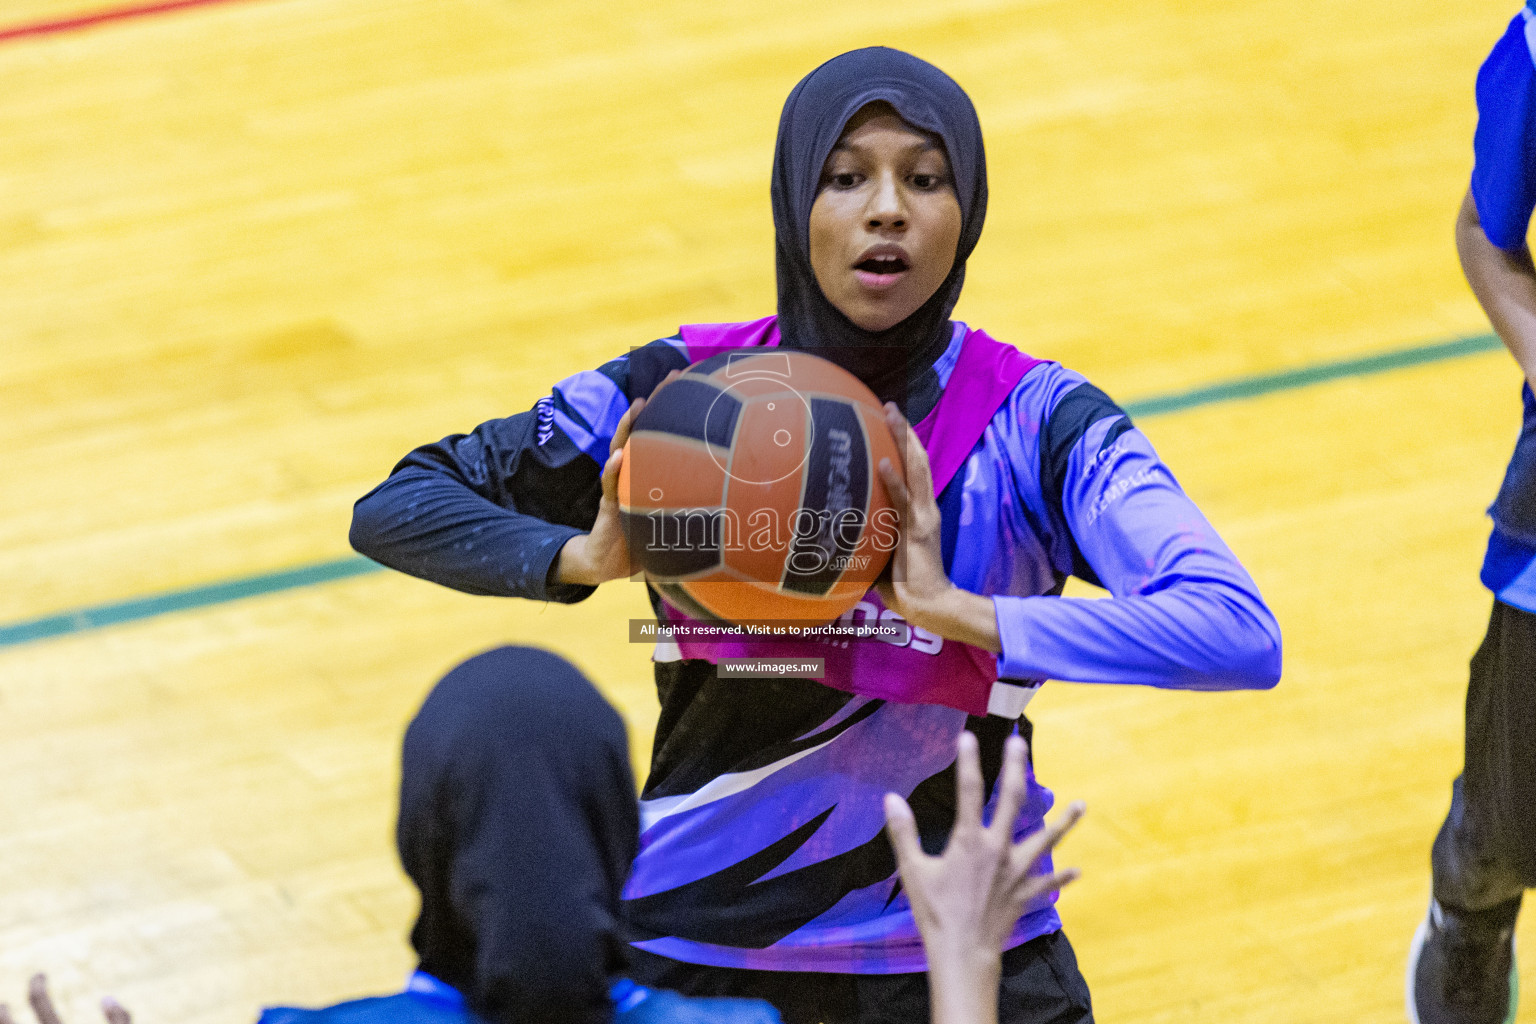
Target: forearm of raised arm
(429,526)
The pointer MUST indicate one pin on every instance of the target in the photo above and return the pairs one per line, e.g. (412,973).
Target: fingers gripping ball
(749,490)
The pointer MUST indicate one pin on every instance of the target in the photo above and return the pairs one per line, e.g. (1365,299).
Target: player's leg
(1040,983)
(1461,970)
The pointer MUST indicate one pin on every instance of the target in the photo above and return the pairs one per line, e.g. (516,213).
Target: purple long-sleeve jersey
(762,843)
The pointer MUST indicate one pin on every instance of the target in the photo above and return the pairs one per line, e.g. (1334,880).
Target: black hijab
(518,824)
(892,362)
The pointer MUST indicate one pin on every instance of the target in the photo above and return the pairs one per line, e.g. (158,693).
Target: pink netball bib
(903,664)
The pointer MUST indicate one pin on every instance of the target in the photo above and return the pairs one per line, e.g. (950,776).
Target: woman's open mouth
(879,272)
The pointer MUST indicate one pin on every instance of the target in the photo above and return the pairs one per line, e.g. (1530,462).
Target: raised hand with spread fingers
(968,899)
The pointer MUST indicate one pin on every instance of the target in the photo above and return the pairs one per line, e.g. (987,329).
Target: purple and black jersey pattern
(762,843)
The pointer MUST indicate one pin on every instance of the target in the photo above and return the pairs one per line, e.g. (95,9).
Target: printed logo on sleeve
(545,408)
(1117,490)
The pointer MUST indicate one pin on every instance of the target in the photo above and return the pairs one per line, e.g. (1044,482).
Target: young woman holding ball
(763,868)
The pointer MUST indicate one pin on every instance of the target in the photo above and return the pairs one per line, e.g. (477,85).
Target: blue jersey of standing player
(1504,189)
(762,841)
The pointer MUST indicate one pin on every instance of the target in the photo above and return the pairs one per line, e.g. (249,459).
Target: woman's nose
(887,208)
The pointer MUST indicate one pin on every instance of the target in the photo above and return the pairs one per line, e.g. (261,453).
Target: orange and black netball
(750,492)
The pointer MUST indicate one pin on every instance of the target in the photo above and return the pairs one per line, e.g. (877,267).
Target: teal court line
(82,620)
(1318,373)
(98,616)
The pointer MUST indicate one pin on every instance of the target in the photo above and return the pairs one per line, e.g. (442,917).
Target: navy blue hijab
(518,823)
(892,362)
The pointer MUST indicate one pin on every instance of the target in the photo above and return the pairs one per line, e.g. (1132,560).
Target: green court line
(1320,373)
(97,616)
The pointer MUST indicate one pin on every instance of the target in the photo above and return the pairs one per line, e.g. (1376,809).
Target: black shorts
(1040,985)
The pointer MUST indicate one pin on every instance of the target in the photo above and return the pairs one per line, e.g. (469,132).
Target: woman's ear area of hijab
(886,223)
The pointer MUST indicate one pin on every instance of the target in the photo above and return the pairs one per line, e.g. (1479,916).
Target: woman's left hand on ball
(916,577)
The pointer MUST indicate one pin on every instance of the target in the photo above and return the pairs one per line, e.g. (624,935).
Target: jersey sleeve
(487,512)
(1183,613)
(1504,145)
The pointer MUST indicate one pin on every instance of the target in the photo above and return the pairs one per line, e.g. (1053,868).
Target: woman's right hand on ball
(603,554)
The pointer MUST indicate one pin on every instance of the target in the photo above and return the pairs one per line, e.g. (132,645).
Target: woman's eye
(926,181)
(845,179)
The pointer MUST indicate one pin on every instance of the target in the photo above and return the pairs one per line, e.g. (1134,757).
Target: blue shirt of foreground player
(1504,189)
(429,1001)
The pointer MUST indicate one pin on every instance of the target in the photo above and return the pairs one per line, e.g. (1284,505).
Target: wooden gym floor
(251,252)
